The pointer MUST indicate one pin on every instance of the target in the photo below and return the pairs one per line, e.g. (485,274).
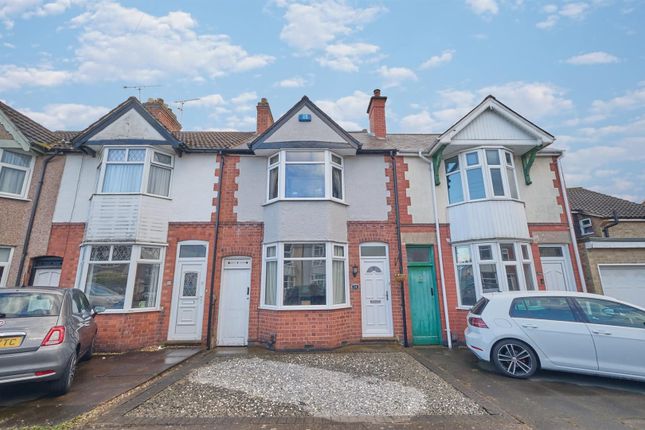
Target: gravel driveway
(332,385)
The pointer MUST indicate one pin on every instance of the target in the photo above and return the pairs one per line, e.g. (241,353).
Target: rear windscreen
(28,304)
(478,307)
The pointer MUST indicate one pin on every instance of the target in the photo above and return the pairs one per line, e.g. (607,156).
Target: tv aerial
(139,88)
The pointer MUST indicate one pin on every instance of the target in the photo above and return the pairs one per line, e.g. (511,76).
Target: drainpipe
(211,299)
(398,238)
(439,251)
(32,217)
(572,233)
(605,229)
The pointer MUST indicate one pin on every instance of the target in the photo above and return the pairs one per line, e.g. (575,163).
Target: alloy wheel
(515,359)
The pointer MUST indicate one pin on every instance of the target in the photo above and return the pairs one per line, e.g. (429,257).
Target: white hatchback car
(521,332)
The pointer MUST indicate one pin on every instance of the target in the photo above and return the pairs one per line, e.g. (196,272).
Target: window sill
(14,197)
(129,311)
(498,199)
(304,308)
(340,202)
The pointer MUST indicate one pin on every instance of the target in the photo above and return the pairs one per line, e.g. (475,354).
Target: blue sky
(577,68)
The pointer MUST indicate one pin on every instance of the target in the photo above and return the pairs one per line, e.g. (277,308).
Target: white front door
(46,277)
(556,268)
(375,294)
(233,314)
(187,310)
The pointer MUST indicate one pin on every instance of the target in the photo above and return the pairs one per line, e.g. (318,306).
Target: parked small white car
(521,332)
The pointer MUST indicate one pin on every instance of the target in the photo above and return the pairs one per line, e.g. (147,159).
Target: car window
(85,303)
(606,312)
(28,304)
(543,308)
(77,304)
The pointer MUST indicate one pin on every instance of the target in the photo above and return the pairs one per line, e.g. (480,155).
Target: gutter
(32,217)
(211,298)
(439,251)
(572,233)
(398,238)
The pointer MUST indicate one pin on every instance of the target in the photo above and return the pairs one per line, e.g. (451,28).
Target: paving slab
(549,400)
(97,381)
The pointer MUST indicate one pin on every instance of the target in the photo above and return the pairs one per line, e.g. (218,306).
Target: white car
(521,332)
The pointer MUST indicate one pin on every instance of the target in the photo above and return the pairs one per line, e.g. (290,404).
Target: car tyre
(515,359)
(61,386)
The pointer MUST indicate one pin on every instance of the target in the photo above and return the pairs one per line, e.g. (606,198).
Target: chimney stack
(160,110)
(264,116)
(376,112)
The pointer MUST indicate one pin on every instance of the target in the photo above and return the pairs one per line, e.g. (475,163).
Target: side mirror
(97,310)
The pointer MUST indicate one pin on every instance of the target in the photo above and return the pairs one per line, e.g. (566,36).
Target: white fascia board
(615,244)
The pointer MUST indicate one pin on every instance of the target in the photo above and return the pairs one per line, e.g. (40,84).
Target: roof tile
(598,204)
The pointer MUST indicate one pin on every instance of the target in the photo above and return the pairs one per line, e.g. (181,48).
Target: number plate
(10,342)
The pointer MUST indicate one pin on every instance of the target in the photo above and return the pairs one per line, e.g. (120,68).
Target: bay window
(491,267)
(135,170)
(305,175)
(15,171)
(122,277)
(481,174)
(305,275)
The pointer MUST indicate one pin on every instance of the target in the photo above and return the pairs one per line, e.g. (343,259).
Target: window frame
(147,162)
(584,224)
(133,263)
(329,287)
(281,165)
(6,265)
(28,173)
(500,266)
(504,167)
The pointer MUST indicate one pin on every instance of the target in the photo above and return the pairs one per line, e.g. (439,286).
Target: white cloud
(550,8)
(245,101)
(481,7)
(395,76)
(9,9)
(596,57)
(630,100)
(67,116)
(314,25)
(346,57)
(421,122)
(121,43)
(293,82)
(534,100)
(53,7)
(437,60)
(574,10)
(549,22)
(13,77)
(349,111)
(210,100)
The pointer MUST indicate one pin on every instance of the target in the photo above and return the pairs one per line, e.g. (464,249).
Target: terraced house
(303,235)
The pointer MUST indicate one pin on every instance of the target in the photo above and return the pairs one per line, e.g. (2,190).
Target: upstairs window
(136,170)
(305,175)
(586,227)
(15,171)
(481,174)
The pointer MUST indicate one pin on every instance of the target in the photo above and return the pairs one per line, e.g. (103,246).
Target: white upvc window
(586,226)
(122,277)
(135,170)
(305,175)
(16,168)
(491,267)
(5,262)
(305,275)
(480,174)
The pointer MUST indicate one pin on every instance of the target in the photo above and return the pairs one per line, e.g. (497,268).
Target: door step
(183,343)
(369,340)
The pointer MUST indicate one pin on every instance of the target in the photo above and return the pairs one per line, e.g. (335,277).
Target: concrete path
(97,381)
(549,400)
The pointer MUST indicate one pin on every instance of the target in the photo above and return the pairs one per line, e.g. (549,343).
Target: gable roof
(130,103)
(490,102)
(258,142)
(35,133)
(602,205)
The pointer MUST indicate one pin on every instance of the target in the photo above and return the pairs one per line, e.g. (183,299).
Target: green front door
(424,298)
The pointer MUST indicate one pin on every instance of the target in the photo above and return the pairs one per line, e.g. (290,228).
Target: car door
(556,330)
(618,331)
(82,320)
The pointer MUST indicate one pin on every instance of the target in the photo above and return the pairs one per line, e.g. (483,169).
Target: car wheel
(62,385)
(90,351)
(515,359)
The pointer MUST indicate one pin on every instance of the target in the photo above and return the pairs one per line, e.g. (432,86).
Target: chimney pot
(377,92)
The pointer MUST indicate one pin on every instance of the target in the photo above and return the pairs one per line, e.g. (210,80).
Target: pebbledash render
(302,235)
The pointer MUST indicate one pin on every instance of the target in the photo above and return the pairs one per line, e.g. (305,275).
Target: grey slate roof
(398,141)
(598,204)
(33,132)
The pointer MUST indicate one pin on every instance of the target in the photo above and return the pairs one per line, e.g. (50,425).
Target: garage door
(624,282)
